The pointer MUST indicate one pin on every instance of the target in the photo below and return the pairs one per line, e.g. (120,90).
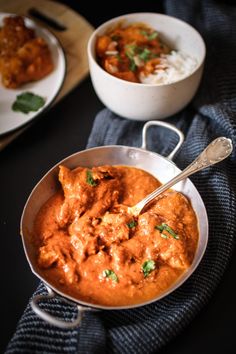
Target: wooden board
(73,32)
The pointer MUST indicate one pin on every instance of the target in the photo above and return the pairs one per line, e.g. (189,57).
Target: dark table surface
(59,133)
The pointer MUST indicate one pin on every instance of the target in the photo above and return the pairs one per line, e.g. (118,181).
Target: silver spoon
(215,152)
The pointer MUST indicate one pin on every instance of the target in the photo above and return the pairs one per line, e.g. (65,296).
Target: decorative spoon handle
(215,152)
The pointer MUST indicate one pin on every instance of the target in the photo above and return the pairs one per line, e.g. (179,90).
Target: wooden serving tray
(73,32)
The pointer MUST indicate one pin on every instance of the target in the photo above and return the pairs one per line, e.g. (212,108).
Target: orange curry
(91,248)
(126,52)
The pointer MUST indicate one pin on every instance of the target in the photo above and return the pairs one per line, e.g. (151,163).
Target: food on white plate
(24,57)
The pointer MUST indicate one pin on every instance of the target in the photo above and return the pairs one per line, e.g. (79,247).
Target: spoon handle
(215,152)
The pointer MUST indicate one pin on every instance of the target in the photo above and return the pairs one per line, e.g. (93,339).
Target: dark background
(59,133)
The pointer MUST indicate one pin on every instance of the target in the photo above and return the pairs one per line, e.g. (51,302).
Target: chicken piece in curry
(23,56)
(127,52)
(88,245)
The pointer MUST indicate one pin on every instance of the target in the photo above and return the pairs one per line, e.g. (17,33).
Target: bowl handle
(51,319)
(165,125)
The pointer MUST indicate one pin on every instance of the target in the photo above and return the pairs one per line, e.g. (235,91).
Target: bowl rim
(92,58)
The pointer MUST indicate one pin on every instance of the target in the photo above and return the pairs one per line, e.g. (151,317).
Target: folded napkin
(211,114)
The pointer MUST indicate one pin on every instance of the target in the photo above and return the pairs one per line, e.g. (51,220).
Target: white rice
(173,67)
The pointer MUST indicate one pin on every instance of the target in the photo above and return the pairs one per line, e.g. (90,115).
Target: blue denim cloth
(212,113)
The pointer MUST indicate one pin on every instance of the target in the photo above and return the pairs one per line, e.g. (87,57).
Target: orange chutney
(90,247)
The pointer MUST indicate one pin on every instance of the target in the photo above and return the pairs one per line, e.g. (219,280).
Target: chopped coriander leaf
(130,56)
(132,65)
(159,227)
(28,102)
(108,273)
(144,33)
(167,228)
(153,35)
(132,224)
(149,36)
(130,53)
(89,179)
(145,54)
(148,267)
(130,50)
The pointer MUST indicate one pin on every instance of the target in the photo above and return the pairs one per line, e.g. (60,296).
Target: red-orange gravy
(91,248)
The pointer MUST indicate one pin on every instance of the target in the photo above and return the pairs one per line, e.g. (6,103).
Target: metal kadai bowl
(161,167)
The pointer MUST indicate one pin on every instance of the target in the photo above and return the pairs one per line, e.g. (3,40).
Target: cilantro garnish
(28,102)
(148,267)
(167,228)
(89,178)
(132,224)
(108,273)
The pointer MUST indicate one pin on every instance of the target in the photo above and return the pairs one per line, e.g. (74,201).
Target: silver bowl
(161,167)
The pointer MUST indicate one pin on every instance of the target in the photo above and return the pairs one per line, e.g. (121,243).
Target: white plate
(48,87)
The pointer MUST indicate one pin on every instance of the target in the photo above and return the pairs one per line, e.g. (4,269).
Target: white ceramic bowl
(141,101)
